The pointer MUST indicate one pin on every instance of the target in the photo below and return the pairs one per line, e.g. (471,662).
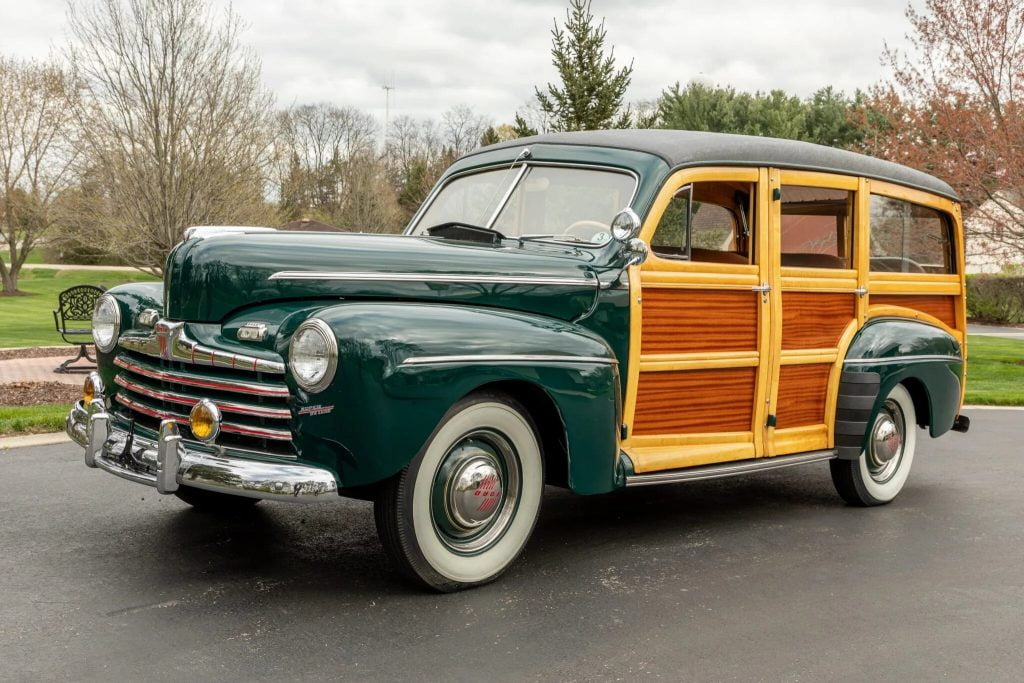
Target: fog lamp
(93,388)
(204,420)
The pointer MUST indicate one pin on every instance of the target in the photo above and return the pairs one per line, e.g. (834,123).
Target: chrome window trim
(507,358)
(498,166)
(902,359)
(432,277)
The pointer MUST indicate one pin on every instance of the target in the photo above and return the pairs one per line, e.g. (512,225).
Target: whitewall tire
(461,512)
(879,474)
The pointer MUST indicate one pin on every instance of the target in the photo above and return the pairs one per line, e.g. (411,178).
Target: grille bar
(218,384)
(186,400)
(227,427)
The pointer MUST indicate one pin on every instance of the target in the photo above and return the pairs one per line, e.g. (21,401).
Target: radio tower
(387,87)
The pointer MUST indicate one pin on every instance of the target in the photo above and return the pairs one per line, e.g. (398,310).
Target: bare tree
(37,154)
(177,123)
(316,142)
(463,129)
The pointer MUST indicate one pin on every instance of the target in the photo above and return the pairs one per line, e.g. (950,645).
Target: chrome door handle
(861,291)
(761,288)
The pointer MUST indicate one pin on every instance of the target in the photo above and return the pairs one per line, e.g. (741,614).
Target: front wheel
(461,512)
(878,475)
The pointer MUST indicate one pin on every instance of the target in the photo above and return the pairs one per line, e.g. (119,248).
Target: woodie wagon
(590,310)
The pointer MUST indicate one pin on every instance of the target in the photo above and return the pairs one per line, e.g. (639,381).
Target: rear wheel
(878,475)
(209,501)
(461,512)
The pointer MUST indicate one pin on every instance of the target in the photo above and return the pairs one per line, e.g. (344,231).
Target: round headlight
(106,322)
(313,355)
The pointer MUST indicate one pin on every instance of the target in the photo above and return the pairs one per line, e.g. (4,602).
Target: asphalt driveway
(768,577)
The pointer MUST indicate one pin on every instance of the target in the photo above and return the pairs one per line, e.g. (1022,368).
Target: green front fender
(402,366)
(924,358)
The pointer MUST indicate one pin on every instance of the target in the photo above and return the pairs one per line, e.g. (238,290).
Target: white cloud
(490,55)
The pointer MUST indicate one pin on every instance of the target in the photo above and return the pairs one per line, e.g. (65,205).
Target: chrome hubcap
(885,447)
(476,492)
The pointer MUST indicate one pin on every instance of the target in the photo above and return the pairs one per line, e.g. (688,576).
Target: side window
(707,222)
(909,238)
(816,227)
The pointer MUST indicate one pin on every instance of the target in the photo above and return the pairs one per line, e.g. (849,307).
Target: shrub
(996,298)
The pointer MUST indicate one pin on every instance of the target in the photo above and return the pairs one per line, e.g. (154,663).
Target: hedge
(996,298)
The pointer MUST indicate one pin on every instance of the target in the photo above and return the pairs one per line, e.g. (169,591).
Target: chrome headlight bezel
(115,310)
(330,346)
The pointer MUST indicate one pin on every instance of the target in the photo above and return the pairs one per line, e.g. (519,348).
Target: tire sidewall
(435,561)
(887,491)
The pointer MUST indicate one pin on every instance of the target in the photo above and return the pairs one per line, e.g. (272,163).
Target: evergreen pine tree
(592,89)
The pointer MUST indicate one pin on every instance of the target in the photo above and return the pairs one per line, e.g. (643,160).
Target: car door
(818,271)
(700,316)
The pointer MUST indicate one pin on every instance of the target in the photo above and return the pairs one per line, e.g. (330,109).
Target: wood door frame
(853,281)
(671,451)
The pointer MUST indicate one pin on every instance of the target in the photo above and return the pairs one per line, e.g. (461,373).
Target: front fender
(891,351)
(403,365)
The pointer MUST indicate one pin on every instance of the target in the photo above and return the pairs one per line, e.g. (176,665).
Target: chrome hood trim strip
(510,358)
(435,277)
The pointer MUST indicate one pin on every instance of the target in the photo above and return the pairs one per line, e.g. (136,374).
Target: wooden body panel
(815,320)
(941,307)
(678,321)
(803,390)
(695,401)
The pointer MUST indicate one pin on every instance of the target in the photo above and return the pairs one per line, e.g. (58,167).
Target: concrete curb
(50,439)
(993,408)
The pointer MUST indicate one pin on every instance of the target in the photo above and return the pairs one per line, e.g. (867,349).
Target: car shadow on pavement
(331,549)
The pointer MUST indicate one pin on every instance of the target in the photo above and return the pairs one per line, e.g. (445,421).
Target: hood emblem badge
(255,332)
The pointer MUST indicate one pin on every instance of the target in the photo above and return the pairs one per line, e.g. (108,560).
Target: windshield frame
(507,195)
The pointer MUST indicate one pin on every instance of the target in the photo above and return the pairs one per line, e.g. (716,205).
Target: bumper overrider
(167,464)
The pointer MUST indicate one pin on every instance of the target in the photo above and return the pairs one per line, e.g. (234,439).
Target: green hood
(212,277)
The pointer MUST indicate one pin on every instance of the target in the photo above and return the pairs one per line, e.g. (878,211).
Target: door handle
(761,288)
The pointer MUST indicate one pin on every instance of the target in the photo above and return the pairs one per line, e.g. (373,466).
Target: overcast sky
(489,55)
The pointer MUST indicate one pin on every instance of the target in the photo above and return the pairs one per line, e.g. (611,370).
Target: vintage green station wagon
(588,310)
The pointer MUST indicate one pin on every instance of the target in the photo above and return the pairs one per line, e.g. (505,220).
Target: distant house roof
(682,148)
(310,225)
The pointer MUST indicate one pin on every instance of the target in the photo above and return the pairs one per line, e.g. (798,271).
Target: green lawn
(32,419)
(28,321)
(34,256)
(995,371)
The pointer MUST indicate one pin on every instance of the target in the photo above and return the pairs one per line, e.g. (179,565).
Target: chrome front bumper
(167,464)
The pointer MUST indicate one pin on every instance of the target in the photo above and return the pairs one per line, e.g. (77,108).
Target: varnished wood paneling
(815,320)
(695,401)
(695,320)
(937,306)
(803,391)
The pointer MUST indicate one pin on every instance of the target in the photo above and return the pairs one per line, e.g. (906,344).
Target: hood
(209,278)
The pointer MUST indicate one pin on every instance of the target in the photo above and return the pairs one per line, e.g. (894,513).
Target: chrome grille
(254,404)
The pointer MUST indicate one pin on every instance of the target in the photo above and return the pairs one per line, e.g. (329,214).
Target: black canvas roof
(681,148)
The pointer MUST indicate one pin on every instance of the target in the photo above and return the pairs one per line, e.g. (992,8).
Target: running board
(729,469)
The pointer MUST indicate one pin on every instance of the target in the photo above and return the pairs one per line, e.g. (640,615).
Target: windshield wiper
(566,237)
(466,232)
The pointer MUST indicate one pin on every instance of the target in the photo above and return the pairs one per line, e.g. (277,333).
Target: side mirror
(636,251)
(625,225)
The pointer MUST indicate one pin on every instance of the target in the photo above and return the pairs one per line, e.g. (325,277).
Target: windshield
(572,204)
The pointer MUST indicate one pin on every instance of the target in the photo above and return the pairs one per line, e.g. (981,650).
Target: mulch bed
(43,352)
(38,393)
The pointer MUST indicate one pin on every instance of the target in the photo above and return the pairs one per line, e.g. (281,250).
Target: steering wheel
(586,230)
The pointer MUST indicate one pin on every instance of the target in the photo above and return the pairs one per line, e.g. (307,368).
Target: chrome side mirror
(625,225)
(636,251)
